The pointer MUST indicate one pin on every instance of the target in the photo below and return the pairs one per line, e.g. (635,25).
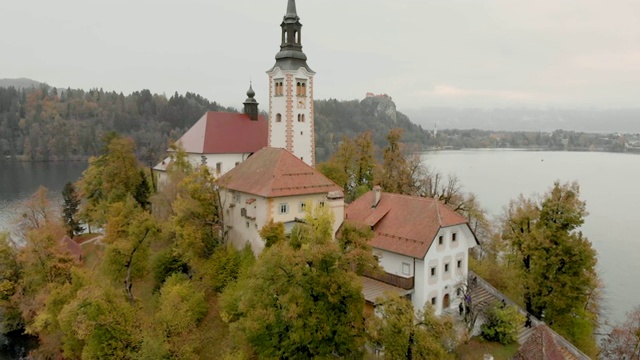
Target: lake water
(17,182)
(608,183)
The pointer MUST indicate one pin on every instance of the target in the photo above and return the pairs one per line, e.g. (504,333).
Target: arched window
(278,118)
(301,117)
(304,89)
(297,37)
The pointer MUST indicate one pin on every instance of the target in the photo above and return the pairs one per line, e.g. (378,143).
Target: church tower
(291,93)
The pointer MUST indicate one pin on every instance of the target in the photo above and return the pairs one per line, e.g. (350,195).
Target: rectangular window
(321,203)
(446,268)
(433,271)
(453,237)
(459,264)
(303,206)
(284,208)
(237,163)
(219,167)
(238,197)
(433,301)
(406,269)
(440,240)
(247,224)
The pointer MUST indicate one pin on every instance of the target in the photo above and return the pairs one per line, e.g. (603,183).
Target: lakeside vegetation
(166,285)
(44,123)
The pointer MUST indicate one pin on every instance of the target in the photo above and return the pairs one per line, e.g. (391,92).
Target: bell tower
(291,122)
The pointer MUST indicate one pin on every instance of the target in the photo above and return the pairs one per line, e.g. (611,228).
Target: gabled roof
(540,346)
(225,133)
(72,247)
(273,172)
(403,224)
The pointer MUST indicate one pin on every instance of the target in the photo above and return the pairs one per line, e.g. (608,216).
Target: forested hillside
(45,123)
(337,119)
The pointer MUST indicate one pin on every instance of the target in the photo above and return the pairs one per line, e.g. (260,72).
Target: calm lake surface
(608,183)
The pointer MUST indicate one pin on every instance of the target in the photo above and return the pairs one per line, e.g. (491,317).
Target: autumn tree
(623,341)
(403,334)
(70,207)
(9,279)
(272,233)
(300,299)
(395,173)
(109,179)
(352,166)
(197,216)
(99,324)
(129,231)
(556,262)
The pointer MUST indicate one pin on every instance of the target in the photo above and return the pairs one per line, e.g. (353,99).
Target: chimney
(377,191)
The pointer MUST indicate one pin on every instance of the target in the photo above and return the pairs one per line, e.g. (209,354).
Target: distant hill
(21,83)
(376,113)
(530,119)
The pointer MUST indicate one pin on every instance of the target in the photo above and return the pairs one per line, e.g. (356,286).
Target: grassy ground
(477,348)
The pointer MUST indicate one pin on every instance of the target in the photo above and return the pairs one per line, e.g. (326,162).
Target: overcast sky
(473,53)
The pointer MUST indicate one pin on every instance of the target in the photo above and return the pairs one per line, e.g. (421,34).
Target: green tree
(197,217)
(272,233)
(502,324)
(109,179)
(70,207)
(129,231)
(99,324)
(556,262)
(300,299)
(404,335)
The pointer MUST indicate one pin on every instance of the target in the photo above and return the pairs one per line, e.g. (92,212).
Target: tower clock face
(301,104)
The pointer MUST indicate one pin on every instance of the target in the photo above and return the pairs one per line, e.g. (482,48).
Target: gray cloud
(423,53)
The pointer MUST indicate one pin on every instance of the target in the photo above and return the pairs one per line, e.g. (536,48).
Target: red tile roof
(403,224)
(225,133)
(273,172)
(72,247)
(540,346)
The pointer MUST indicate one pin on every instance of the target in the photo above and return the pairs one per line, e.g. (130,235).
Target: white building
(291,122)
(422,245)
(222,140)
(273,184)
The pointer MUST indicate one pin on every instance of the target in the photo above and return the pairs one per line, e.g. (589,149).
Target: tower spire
(291,10)
(251,105)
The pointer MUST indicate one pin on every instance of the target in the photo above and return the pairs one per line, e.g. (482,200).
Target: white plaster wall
(392,262)
(239,234)
(444,283)
(228,161)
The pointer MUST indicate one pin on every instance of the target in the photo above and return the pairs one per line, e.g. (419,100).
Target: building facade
(273,184)
(422,245)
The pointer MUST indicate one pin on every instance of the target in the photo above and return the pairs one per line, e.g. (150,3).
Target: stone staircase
(482,298)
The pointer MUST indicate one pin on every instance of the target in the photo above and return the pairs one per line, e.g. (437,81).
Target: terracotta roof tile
(225,133)
(540,346)
(273,172)
(403,224)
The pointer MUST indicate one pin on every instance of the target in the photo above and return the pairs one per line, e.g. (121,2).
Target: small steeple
(291,11)
(251,105)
